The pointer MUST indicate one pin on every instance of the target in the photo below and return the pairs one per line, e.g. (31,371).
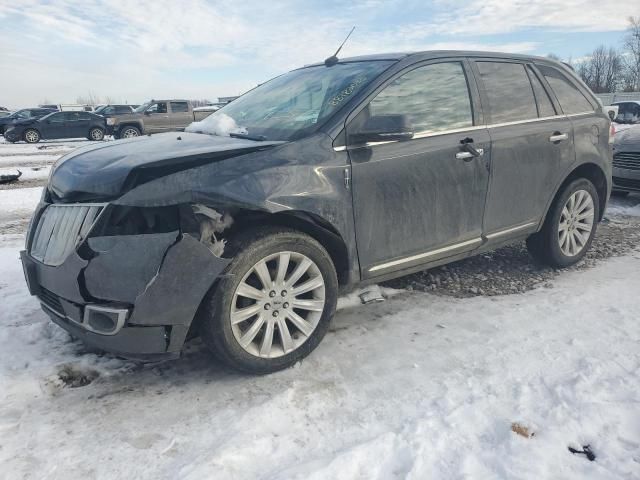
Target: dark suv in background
(327,177)
(24,114)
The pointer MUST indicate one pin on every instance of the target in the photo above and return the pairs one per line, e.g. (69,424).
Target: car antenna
(332,60)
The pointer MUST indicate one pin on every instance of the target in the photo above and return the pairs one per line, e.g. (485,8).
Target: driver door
(55,125)
(157,118)
(422,199)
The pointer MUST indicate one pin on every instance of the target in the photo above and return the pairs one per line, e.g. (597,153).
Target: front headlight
(111,121)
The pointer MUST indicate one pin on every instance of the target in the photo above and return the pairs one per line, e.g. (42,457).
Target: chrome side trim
(426,134)
(581,113)
(530,120)
(421,256)
(509,230)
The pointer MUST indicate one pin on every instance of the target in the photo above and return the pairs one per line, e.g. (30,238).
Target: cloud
(133,50)
(489,17)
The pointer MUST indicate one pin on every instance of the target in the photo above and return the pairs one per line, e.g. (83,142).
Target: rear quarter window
(571,99)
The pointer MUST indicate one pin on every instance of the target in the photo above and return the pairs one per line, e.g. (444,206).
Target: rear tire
(96,134)
(31,136)
(569,227)
(289,321)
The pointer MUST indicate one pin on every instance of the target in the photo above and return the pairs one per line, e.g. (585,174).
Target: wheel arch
(592,172)
(305,222)
(131,124)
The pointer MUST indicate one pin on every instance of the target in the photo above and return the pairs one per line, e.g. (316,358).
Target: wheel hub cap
(277,305)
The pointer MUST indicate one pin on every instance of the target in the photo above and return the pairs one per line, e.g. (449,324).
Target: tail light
(612,132)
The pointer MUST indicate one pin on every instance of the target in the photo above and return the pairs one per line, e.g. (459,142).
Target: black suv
(24,114)
(324,178)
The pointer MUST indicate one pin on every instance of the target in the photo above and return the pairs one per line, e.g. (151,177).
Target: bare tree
(553,56)
(631,77)
(602,70)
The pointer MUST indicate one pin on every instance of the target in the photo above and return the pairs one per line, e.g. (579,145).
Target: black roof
(435,54)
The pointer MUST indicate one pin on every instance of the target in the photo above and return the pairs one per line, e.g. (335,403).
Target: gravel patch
(511,269)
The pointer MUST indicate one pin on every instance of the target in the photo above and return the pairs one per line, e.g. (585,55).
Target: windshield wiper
(246,136)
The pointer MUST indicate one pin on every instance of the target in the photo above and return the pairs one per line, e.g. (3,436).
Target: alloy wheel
(96,134)
(277,305)
(31,136)
(576,223)
(129,133)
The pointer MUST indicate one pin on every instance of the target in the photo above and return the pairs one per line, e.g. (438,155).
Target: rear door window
(508,90)
(570,97)
(545,107)
(179,107)
(435,97)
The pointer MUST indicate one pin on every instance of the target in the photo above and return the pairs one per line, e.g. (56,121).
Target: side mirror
(384,128)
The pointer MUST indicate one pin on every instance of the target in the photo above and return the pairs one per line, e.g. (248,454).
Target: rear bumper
(156,281)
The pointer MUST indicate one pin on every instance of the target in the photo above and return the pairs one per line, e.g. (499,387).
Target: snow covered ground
(421,386)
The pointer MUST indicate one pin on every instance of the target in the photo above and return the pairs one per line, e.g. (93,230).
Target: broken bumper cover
(154,283)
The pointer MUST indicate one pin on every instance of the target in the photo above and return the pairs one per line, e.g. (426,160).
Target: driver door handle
(558,137)
(468,155)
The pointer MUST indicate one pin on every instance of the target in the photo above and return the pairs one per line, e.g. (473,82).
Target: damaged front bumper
(133,295)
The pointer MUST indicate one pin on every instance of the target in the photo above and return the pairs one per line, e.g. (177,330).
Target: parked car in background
(24,114)
(156,116)
(58,125)
(74,107)
(628,112)
(327,177)
(4,113)
(50,106)
(111,110)
(626,161)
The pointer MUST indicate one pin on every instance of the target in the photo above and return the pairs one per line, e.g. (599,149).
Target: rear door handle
(468,156)
(558,137)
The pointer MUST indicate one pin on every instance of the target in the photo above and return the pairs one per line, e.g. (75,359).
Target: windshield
(142,107)
(294,104)
(21,114)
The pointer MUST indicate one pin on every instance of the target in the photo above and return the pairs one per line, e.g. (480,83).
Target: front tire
(129,132)
(273,304)
(569,227)
(31,136)
(96,134)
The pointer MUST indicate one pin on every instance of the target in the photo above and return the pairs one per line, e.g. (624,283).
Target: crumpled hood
(107,170)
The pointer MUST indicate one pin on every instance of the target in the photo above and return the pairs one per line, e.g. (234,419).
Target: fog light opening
(104,320)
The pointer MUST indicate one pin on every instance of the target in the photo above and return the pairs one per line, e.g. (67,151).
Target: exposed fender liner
(173,296)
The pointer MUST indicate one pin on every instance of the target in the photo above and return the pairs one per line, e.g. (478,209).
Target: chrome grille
(60,229)
(628,160)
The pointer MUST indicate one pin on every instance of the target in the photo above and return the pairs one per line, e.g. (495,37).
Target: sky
(132,51)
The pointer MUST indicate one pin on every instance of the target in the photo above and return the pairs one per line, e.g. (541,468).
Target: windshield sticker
(335,101)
